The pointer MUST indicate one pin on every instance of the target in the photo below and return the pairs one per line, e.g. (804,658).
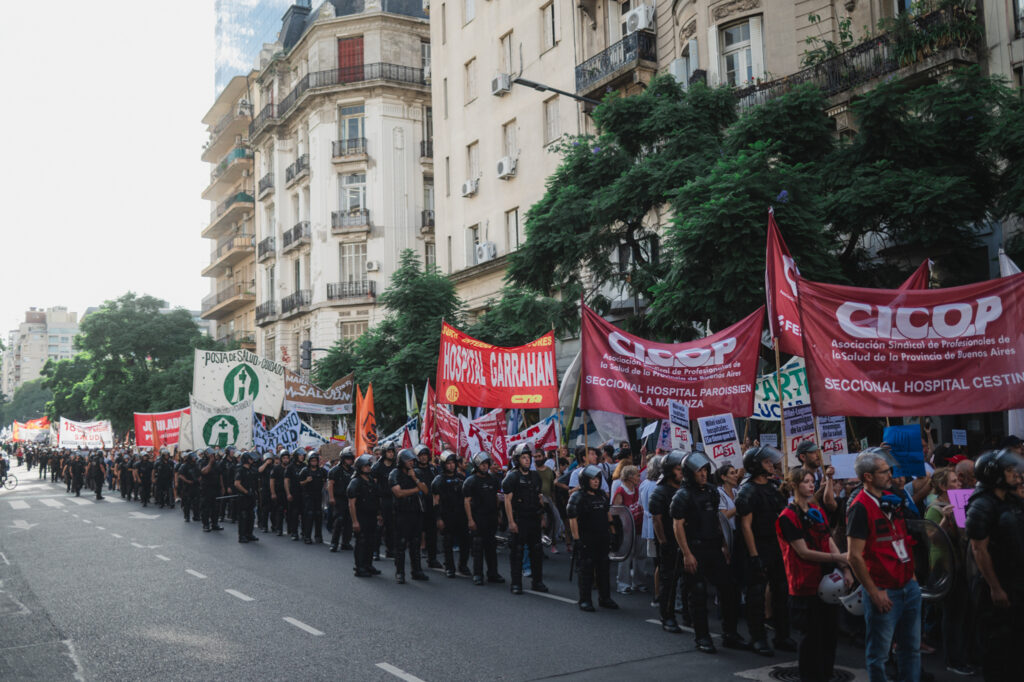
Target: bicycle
(10,482)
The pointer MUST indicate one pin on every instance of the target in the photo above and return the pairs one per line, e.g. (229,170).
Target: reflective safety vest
(881,554)
(803,577)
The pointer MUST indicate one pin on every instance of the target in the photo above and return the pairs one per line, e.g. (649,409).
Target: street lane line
(100,528)
(243,597)
(18,504)
(308,628)
(195,573)
(117,536)
(4,557)
(80,500)
(398,672)
(50,502)
(548,595)
(161,557)
(135,544)
(86,521)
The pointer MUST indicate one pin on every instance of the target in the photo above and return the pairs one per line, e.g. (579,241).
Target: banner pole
(782,412)
(853,433)
(575,406)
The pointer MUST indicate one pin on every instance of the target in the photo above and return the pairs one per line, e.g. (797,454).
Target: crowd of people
(797,554)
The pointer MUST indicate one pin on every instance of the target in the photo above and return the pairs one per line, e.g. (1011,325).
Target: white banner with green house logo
(234,376)
(219,427)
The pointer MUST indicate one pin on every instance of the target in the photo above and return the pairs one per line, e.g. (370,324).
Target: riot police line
(784,541)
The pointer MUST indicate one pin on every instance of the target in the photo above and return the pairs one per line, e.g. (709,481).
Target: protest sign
(219,427)
(97,434)
(832,437)
(959,436)
(793,384)
(232,377)
(166,425)
(769,439)
(906,447)
(721,443)
(679,420)
(799,427)
(843,464)
(958,497)
(303,396)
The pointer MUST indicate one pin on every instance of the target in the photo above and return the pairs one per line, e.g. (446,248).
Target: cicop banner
(219,427)
(96,434)
(792,383)
(471,372)
(303,396)
(628,375)
(889,353)
(721,442)
(232,377)
(167,424)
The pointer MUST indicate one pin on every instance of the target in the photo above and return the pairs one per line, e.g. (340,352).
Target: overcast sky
(101,175)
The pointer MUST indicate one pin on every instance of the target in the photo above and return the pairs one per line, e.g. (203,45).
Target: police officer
(758,505)
(381,473)
(76,474)
(523,508)
(293,491)
(97,473)
(228,464)
(698,532)
(312,479)
(995,527)
(426,473)
(263,494)
(408,490)
(480,500)
(364,508)
(446,489)
(337,498)
(278,495)
(245,483)
(163,474)
(589,523)
(188,486)
(210,486)
(668,549)
(123,471)
(144,478)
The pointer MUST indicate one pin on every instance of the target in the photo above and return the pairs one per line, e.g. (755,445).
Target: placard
(960,437)
(769,439)
(721,443)
(799,427)
(832,437)
(843,464)
(679,425)
(958,498)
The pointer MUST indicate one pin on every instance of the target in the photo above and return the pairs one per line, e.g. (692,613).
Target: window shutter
(714,59)
(756,48)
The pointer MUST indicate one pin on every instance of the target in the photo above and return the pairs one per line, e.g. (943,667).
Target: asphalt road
(107,590)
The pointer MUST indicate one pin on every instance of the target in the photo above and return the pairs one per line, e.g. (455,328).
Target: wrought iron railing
(222,208)
(264,310)
(246,337)
(266,115)
(229,158)
(300,166)
(350,147)
(296,234)
(637,46)
(354,217)
(266,247)
(427,218)
(266,182)
(230,291)
(299,299)
(354,289)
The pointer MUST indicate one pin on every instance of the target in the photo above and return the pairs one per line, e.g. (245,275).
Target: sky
(101,176)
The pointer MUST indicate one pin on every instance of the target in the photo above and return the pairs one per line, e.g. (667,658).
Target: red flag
(366,422)
(780,277)
(921,277)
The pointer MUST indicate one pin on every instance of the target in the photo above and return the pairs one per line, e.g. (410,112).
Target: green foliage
(824,49)
(70,383)
(28,402)
(403,348)
(521,316)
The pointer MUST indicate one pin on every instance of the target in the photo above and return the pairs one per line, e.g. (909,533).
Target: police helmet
(671,461)
(348,453)
(480,458)
(754,459)
(230,450)
(164,451)
(364,461)
(990,469)
(521,449)
(246,458)
(694,462)
(268,456)
(406,456)
(449,456)
(299,451)
(421,450)
(589,473)
(209,452)
(390,446)
(312,456)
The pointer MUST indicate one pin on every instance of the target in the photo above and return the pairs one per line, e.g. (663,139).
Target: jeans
(902,623)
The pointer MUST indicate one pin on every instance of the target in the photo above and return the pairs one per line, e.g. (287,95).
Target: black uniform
(96,474)
(188,488)
(524,488)
(279,501)
(145,470)
(367,503)
(426,474)
(408,524)
(249,479)
(313,503)
(1002,522)
(482,491)
(765,503)
(294,510)
(380,474)
(263,494)
(209,489)
(124,474)
(227,507)
(341,476)
(452,512)
(697,505)
(590,509)
(163,470)
(77,476)
(668,552)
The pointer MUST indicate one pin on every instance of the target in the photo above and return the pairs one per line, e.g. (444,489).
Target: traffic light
(306,354)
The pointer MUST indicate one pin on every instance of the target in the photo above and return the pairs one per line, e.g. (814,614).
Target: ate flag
(628,375)
(891,352)
(474,373)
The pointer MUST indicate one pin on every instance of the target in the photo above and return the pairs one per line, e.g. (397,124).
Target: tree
(28,402)
(403,349)
(69,382)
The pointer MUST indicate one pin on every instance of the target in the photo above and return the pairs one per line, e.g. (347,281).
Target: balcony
(360,289)
(229,128)
(266,185)
(427,221)
(426,149)
(229,252)
(230,170)
(244,339)
(226,212)
(265,310)
(267,115)
(296,236)
(352,220)
(266,249)
(295,303)
(228,299)
(297,170)
(617,65)
(353,149)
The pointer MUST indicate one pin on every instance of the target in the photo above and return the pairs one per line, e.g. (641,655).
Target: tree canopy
(28,402)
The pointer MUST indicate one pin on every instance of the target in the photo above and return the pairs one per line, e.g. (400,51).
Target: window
(468,11)
(470,78)
(552,127)
(547,18)
(270,229)
(350,59)
(509,147)
(428,124)
(428,194)
(447,176)
(1018,15)
(430,255)
(512,229)
(444,24)
(741,57)
(472,240)
(445,96)
(473,161)
(1019,72)
(352,192)
(297,272)
(53,339)
(270,283)
(505,63)
(352,330)
(296,215)
(352,262)
(425,55)
(351,122)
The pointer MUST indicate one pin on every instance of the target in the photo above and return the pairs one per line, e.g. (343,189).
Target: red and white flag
(780,277)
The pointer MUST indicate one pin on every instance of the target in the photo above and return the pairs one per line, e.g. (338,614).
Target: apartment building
(44,335)
(344,166)
(231,304)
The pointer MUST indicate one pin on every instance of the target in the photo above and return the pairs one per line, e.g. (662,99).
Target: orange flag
(366,422)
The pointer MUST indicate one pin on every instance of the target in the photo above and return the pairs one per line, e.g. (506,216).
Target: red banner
(450,432)
(165,423)
(780,276)
(474,373)
(882,352)
(628,375)
(920,277)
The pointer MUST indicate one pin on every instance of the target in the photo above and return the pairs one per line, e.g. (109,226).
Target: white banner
(721,442)
(215,427)
(291,432)
(97,434)
(793,382)
(185,432)
(232,377)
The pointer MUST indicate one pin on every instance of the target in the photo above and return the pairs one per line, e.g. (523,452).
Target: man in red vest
(881,557)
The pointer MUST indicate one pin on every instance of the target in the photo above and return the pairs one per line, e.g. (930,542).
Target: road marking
(18,504)
(243,597)
(140,515)
(161,557)
(21,524)
(398,672)
(75,515)
(113,499)
(308,628)
(4,557)
(79,673)
(80,501)
(100,528)
(548,595)
(135,544)
(117,536)
(86,521)
(195,573)
(50,502)
(653,621)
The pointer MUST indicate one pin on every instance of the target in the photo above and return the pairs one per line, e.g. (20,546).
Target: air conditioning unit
(501,84)
(469,187)
(244,107)
(372,265)
(639,19)
(506,167)
(486,251)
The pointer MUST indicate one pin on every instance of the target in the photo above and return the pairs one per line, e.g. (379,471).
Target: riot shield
(622,539)
(935,558)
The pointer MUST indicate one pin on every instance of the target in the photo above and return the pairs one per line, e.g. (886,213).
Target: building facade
(344,166)
(44,335)
(231,303)
(241,29)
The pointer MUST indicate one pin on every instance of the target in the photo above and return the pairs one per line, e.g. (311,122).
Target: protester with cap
(881,556)
(480,500)
(809,455)
(589,523)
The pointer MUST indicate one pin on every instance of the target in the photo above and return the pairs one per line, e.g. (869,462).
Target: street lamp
(540,87)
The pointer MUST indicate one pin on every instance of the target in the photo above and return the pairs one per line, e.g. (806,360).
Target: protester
(627,494)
